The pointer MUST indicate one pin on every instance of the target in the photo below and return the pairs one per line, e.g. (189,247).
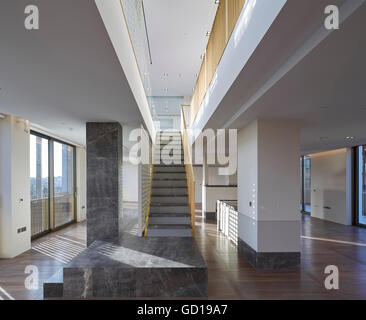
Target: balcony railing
(63,204)
(227,219)
(226,18)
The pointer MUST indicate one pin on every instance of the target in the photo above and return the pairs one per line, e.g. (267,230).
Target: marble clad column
(104,180)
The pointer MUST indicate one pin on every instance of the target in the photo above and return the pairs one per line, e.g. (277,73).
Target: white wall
(214,179)
(130,182)
(269,185)
(219,193)
(80,184)
(248,183)
(329,192)
(198,183)
(14,187)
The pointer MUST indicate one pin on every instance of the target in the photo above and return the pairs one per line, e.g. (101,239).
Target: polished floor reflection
(230,275)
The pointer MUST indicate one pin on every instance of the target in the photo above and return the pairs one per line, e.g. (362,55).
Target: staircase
(169,209)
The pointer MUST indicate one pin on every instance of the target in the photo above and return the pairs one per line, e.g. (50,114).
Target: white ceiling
(64,74)
(177,33)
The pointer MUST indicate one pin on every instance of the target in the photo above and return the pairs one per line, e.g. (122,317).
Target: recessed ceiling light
(349,138)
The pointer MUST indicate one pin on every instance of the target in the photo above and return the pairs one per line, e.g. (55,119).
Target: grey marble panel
(78,283)
(104,180)
(171,282)
(114,282)
(54,286)
(138,267)
(269,260)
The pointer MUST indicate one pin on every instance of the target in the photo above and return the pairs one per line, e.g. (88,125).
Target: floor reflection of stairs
(169,211)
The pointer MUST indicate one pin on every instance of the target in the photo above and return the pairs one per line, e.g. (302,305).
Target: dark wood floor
(230,275)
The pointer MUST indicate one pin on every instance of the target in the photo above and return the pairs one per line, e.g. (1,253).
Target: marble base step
(169,192)
(171,143)
(156,200)
(169,209)
(177,153)
(169,176)
(136,267)
(169,169)
(53,288)
(161,140)
(169,218)
(169,230)
(168,162)
(169,183)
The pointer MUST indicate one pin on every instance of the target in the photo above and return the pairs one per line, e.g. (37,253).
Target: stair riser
(169,220)
(169,233)
(166,158)
(180,169)
(171,151)
(169,192)
(171,140)
(169,184)
(175,146)
(169,200)
(169,176)
(168,162)
(170,154)
(169,209)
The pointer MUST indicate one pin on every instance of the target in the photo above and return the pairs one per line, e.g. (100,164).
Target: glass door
(307,184)
(361,185)
(305,173)
(39,182)
(52,180)
(63,184)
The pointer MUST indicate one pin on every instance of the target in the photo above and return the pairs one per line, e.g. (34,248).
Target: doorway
(52,180)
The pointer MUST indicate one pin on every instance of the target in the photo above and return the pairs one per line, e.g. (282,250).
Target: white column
(269,193)
(15,227)
(204,183)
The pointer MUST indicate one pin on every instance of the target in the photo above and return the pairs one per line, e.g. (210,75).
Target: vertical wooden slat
(234,9)
(226,17)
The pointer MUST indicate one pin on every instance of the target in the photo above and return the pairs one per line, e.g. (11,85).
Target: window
(39,180)
(305,165)
(52,178)
(361,186)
